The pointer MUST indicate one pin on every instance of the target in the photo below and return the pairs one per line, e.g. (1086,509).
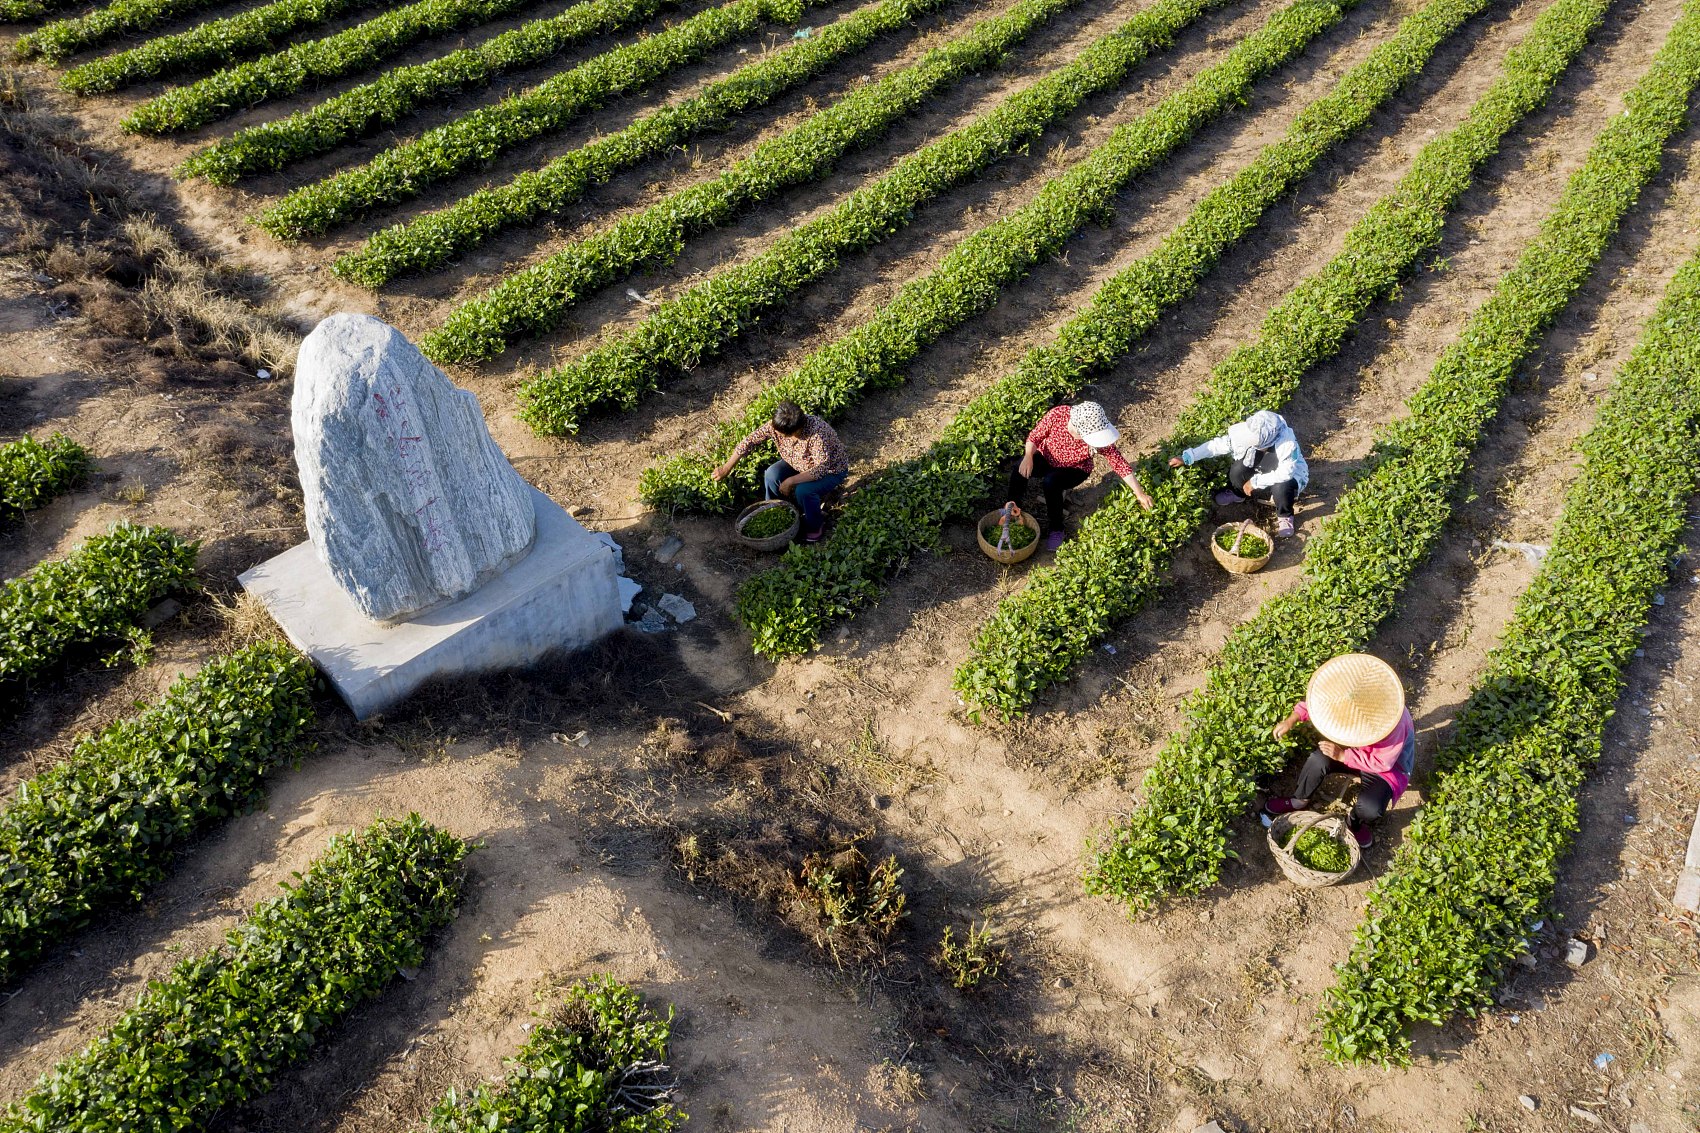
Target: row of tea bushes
(900,511)
(97,830)
(473,140)
(534,301)
(1385,525)
(701,322)
(1117,561)
(96,594)
(216,1030)
(32,472)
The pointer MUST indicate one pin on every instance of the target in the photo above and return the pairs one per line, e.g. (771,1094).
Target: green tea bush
(295,68)
(1384,527)
(207,46)
(533,301)
(901,510)
(1479,865)
(218,1028)
(968,280)
(273,146)
(601,1066)
(67,37)
(99,829)
(1118,560)
(431,240)
(476,139)
(95,594)
(32,472)
(682,332)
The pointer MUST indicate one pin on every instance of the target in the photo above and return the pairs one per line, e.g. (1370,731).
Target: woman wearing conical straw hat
(1357,705)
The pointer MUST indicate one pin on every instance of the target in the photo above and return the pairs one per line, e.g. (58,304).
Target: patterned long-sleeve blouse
(817,450)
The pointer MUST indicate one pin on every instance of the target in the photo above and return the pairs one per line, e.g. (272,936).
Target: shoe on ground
(1283,526)
(1228,498)
(1365,837)
(1279,805)
(814,536)
(1054,540)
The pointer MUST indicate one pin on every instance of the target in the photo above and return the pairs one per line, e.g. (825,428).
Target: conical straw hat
(1355,699)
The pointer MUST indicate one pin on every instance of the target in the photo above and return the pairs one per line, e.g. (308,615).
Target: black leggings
(1374,795)
(1057,481)
(1281,495)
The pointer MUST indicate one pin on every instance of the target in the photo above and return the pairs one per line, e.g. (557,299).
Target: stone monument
(427,555)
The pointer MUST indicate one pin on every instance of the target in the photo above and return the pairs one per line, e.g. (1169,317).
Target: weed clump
(973,961)
(856,904)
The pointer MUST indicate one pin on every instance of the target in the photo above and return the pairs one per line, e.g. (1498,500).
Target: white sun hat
(1355,699)
(1090,423)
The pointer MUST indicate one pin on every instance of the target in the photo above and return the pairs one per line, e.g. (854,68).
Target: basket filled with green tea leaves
(767,525)
(1313,849)
(1241,548)
(1008,535)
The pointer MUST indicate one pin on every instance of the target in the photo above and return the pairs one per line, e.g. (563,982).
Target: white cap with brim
(1090,423)
(1355,699)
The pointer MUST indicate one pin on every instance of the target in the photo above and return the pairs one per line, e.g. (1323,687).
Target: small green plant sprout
(857,906)
(976,959)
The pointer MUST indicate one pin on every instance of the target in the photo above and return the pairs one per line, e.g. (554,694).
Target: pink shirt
(1384,756)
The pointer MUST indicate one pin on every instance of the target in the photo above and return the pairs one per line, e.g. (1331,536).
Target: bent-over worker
(1267,464)
(1059,451)
(811,463)
(1357,704)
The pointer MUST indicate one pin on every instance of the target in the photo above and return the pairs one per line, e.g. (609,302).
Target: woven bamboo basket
(1232,560)
(1284,832)
(773,542)
(1006,556)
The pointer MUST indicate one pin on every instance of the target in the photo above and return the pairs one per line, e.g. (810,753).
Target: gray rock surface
(409,501)
(680,608)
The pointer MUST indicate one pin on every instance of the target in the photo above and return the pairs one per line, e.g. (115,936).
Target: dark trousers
(1374,795)
(1056,481)
(807,494)
(1281,495)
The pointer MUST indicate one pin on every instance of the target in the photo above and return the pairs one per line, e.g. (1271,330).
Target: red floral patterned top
(1065,450)
(817,450)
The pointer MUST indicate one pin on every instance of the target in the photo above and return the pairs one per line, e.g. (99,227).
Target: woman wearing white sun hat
(1059,451)
(1267,464)
(1357,704)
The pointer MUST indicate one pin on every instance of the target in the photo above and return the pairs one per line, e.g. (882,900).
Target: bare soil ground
(136,314)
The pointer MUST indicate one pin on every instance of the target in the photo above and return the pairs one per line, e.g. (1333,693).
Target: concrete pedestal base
(562,595)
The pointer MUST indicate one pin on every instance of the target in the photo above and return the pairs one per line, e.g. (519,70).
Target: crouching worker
(1357,704)
(1059,452)
(1267,464)
(811,462)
